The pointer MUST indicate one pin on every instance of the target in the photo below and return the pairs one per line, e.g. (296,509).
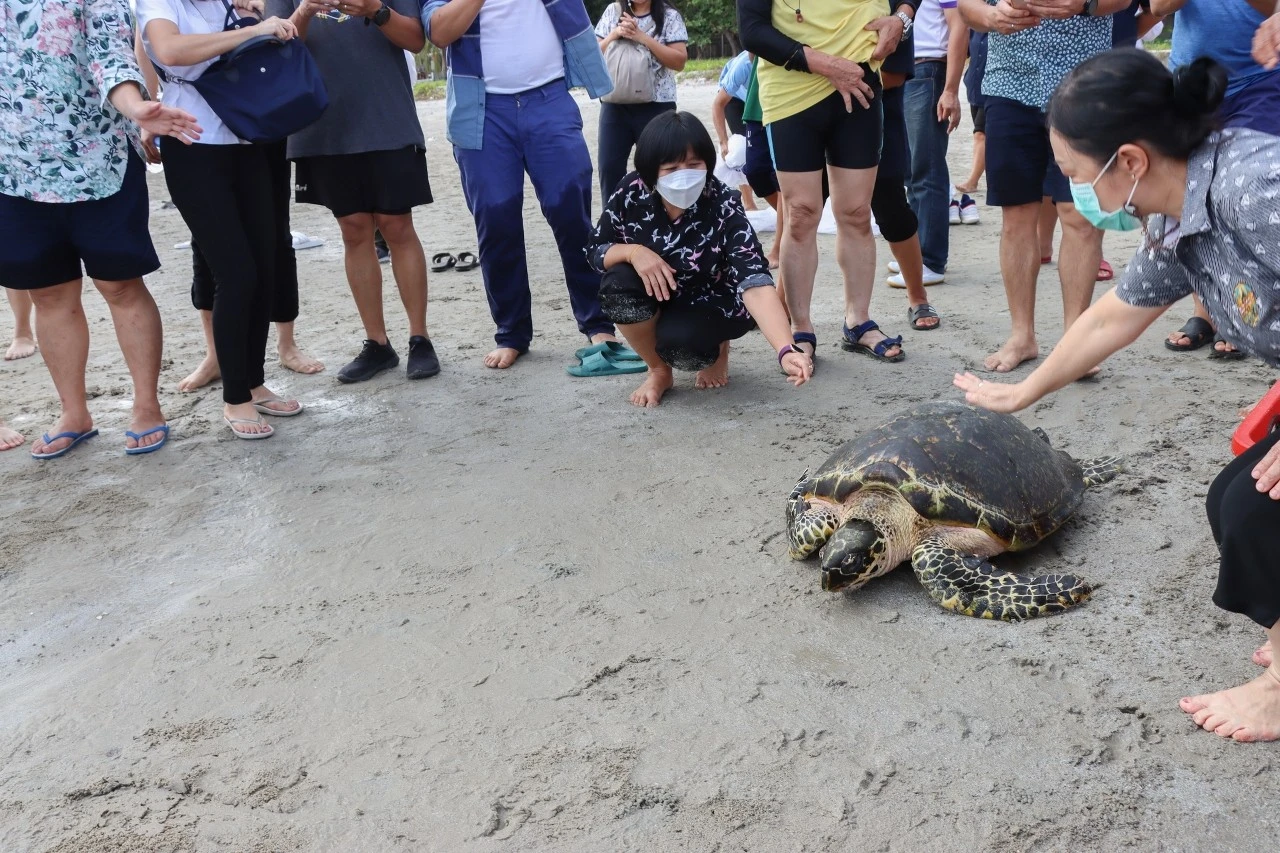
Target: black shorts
(759,167)
(392,182)
(1020,164)
(45,243)
(733,116)
(828,134)
(978,113)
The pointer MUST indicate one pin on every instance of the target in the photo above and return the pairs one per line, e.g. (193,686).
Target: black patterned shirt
(1226,248)
(712,246)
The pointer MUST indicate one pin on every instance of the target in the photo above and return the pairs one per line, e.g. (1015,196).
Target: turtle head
(853,556)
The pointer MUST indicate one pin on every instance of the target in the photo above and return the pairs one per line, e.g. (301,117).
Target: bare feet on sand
(1248,713)
(502,358)
(656,384)
(1013,353)
(9,438)
(204,374)
(717,375)
(966,189)
(1263,656)
(20,348)
(292,358)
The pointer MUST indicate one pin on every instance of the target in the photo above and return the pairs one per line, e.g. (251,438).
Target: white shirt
(519,46)
(193,17)
(931,31)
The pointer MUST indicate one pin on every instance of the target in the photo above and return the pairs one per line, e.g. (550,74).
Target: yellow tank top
(835,27)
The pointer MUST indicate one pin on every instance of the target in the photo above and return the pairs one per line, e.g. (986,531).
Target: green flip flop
(597,364)
(613,350)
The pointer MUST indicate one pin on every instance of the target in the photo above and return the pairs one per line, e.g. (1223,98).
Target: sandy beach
(501,611)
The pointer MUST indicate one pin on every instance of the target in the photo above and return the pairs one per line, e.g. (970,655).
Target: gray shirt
(371,106)
(1226,249)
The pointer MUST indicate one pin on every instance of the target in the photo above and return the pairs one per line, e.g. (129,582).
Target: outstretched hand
(1267,473)
(996,396)
(159,120)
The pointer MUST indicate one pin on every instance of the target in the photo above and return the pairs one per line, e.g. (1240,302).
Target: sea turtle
(945,485)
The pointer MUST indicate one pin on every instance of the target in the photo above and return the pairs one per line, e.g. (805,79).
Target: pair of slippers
(78,438)
(1199,332)
(462,262)
(607,358)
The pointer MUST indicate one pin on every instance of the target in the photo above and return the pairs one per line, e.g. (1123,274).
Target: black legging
(225,195)
(889,197)
(284,296)
(620,127)
(1246,526)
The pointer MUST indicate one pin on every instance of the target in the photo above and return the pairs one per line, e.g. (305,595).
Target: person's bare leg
(1180,338)
(717,375)
(1250,712)
(207,371)
(1044,229)
(775,249)
(291,355)
(1019,267)
(748,200)
(643,338)
(979,164)
(856,247)
(141,338)
(64,340)
(23,344)
(408,267)
(364,274)
(907,254)
(1078,265)
(9,438)
(1264,655)
(802,203)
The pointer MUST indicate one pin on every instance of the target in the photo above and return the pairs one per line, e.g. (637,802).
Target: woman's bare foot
(22,347)
(1224,348)
(717,375)
(1263,656)
(206,373)
(292,358)
(502,358)
(1013,353)
(1248,713)
(274,404)
(656,384)
(9,438)
(64,424)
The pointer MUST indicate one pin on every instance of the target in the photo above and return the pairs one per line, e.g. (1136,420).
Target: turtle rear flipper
(973,586)
(1101,470)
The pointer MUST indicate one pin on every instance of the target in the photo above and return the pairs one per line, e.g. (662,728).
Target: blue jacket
(464,87)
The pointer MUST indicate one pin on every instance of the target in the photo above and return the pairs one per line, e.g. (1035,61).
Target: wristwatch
(1090,8)
(908,22)
(383,15)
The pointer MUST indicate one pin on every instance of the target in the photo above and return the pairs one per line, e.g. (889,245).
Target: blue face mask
(1086,202)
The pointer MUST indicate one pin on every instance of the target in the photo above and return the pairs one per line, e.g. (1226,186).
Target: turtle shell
(962,466)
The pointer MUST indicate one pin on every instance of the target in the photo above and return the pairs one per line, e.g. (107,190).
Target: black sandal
(1198,332)
(852,336)
(1227,354)
(467,262)
(923,311)
(442,262)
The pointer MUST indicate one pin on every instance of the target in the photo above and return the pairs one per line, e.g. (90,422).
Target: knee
(894,216)
(357,230)
(802,217)
(396,229)
(120,293)
(1076,225)
(623,297)
(856,218)
(1020,222)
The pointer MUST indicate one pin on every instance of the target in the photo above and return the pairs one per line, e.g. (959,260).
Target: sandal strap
(886,343)
(858,331)
(804,338)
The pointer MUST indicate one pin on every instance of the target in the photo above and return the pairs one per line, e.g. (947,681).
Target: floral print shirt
(712,246)
(1226,249)
(673,32)
(60,139)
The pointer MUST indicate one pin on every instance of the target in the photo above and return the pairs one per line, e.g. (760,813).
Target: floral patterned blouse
(712,246)
(60,139)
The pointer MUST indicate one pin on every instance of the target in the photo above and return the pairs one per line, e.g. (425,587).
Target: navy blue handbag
(265,89)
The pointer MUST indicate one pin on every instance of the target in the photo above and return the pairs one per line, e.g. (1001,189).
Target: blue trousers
(929,187)
(538,132)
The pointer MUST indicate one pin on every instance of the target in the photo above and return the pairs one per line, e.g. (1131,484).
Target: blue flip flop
(150,448)
(615,350)
(76,438)
(597,364)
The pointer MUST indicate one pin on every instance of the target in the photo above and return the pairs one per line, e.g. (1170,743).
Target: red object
(1260,422)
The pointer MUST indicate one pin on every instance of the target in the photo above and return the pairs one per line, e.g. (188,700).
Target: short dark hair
(668,139)
(1127,95)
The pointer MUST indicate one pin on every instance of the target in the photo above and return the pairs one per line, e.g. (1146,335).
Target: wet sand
(507,611)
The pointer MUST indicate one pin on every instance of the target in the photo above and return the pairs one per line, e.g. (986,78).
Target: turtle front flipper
(808,527)
(973,586)
(1099,471)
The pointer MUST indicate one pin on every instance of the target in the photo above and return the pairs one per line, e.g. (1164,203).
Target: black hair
(668,139)
(657,10)
(1127,95)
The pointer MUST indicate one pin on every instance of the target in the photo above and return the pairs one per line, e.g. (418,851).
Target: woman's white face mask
(683,187)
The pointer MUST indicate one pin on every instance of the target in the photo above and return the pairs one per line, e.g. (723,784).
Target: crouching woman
(683,271)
